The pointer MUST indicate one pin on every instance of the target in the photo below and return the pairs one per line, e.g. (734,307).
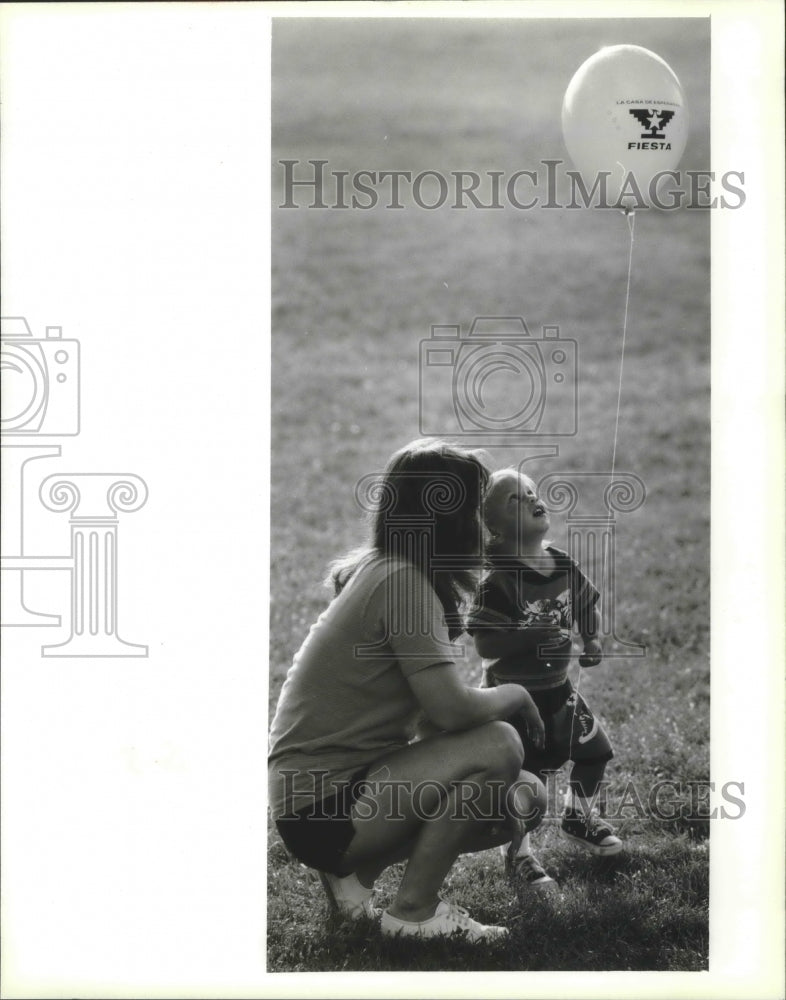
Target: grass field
(353,294)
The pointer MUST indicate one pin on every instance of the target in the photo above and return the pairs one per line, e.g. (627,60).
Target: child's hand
(592,655)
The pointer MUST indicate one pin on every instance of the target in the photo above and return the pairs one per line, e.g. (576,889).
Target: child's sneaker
(527,872)
(524,871)
(591,832)
(448,919)
(347,897)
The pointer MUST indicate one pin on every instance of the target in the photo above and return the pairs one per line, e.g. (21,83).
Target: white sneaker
(348,897)
(448,919)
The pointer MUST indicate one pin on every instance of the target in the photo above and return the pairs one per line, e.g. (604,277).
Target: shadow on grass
(646,909)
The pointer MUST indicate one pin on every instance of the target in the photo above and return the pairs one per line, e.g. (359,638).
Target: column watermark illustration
(93,501)
(589,502)
(409,511)
(41,403)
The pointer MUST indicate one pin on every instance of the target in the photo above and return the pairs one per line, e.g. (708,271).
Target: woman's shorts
(572,731)
(319,834)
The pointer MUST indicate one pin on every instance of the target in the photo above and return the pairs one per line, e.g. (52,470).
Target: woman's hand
(528,713)
(424,727)
(533,722)
(451,705)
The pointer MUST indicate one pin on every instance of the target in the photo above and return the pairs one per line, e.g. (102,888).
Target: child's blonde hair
(495,478)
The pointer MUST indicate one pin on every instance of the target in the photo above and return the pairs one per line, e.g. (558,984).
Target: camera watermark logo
(40,380)
(499,383)
(41,402)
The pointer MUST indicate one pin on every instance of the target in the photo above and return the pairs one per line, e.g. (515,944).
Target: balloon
(624,113)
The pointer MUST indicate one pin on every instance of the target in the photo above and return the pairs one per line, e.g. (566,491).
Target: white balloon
(624,113)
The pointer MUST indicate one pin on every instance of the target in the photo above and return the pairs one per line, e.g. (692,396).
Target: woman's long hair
(426,510)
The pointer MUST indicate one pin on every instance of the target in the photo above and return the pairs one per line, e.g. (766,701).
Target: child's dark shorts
(320,833)
(562,710)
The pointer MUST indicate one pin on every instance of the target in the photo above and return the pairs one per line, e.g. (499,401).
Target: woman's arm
(493,643)
(448,702)
(451,705)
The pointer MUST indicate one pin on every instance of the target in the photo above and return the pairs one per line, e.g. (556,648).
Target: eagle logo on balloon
(654,120)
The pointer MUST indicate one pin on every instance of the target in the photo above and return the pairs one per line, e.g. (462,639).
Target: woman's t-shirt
(346,700)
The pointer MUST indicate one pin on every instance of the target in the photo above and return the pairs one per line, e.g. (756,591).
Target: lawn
(354,292)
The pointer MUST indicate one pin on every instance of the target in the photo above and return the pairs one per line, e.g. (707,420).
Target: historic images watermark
(314,184)
(663,801)
(41,403)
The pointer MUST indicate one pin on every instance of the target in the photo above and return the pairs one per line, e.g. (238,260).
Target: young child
(527,606)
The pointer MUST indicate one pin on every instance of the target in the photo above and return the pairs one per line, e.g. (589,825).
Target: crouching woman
(350,791)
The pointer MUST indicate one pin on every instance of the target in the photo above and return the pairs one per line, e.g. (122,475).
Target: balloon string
(630,217)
